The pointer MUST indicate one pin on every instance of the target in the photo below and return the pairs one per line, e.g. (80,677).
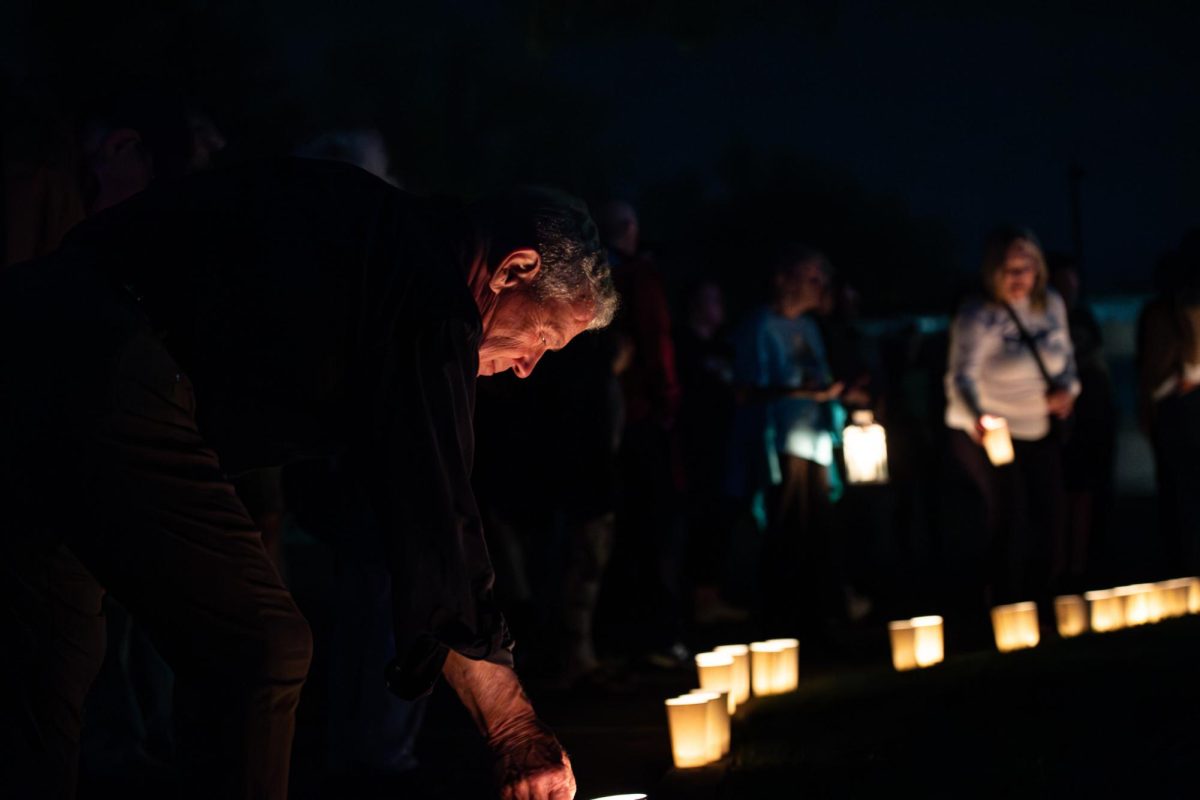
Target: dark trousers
(651,537)
(114,489)
(1176,439)
(800,577)
(1008,533)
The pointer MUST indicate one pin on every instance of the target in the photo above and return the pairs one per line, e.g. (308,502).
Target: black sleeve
(416,465)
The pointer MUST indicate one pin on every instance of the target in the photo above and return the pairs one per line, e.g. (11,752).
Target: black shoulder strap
(1032,345)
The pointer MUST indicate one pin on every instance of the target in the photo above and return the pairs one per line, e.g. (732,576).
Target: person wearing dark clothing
(862,514)
(650,525)
(1089,452)
(142,364)
(1168,361)
(338,575)
(559,542)
(705,360)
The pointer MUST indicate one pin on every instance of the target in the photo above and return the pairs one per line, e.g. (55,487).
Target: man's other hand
(534,768)
(530,763)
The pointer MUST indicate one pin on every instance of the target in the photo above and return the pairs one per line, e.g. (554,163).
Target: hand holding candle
(996,439)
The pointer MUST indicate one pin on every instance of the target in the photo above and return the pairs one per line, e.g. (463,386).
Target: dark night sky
(972,117)
(968,114)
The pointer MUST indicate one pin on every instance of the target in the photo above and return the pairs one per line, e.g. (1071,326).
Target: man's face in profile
(523,328)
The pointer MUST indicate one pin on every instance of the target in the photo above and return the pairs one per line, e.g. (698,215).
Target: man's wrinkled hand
(531,765)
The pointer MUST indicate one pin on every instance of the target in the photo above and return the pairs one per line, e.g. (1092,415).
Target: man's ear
(519,268)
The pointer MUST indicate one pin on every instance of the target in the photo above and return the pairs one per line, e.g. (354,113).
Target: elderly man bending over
(240,320)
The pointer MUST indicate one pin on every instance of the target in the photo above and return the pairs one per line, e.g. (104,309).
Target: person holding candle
(783,440)
(1011,358)
(246,318)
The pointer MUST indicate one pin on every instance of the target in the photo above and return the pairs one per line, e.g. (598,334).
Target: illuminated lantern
(1107,610)
(1015,626)
(741,671)
(1175,596)
(1194,595)
(916,642)
(865,449)
(718,722)
(687,718)
(1156,602)
(997,440)
(1071,614)
(1138,603)
(716,674)
(787,664)
(763,657)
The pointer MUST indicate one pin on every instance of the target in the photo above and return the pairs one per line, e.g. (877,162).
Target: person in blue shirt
(784,434)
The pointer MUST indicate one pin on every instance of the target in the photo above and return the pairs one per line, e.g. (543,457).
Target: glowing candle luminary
(1015,626)
(1194,596)
(763,656)
(1071,614)
(1175,596)
(787,664)
(718,722)
(741,671)
(865,449)
(1139,603)
(716,674)
(997,440)
(687,718)
(916,642)
(1107,610)
(1157,602)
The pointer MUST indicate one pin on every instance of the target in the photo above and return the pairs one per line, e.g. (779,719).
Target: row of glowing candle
(918,642)
(699,721)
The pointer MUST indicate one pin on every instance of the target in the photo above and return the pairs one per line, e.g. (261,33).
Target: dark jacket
(318,312)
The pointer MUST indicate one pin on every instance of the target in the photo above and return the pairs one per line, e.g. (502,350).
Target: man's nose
(524,365)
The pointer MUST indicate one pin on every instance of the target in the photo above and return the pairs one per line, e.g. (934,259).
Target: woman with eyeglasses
(1011,357)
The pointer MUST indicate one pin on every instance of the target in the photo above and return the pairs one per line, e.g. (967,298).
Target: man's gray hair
(574,266)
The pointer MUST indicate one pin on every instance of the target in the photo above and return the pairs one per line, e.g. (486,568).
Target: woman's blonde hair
(995,252)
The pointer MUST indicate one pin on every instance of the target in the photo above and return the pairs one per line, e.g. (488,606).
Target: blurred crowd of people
(681,469)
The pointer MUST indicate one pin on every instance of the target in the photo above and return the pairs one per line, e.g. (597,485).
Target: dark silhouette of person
(1168,360)
(651,535)
(1089,452)
(139,370)
(705,361)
